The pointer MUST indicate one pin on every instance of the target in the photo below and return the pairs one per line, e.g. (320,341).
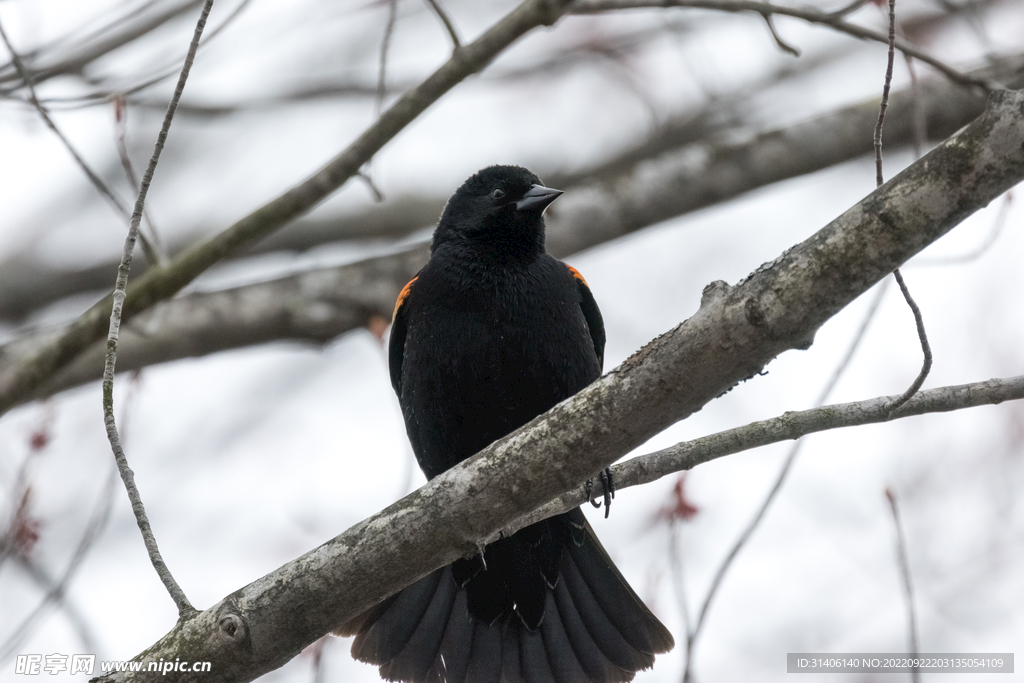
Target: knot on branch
(231,629)
(755,313)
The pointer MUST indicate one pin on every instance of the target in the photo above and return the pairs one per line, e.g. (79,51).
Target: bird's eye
(497,193)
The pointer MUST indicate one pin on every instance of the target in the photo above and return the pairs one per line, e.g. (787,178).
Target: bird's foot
(608,484)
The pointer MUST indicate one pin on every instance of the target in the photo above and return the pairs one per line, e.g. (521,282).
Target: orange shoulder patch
(576,274)
(402,296)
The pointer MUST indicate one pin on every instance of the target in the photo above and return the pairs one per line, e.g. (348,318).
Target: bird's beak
(537,199)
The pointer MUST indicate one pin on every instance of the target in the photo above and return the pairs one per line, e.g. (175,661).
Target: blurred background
(693,145)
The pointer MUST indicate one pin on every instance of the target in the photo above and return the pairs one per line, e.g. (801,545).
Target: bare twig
(86,50)
(926,349)
(97,182)
(908,586)
(783,45)
(51,586)
(813,16)
(849,9)
(385,43)
(446,20)
(150,247)
(885,94)
(177,594)
(917,110)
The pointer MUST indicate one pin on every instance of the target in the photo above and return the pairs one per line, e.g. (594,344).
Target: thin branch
(161,283)
(908,586)
(150,247)
(185,608)
(448,24)
(849,9)
(783,45)
(385,43)
(97,182)
(686,455)
(917,111)
(926,348)
(885,94)
(811,16)
(85,52)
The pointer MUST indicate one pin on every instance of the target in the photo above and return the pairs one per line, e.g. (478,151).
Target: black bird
(492,332)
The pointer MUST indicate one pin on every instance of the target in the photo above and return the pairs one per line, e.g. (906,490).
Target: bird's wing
(591,313)
(396,346)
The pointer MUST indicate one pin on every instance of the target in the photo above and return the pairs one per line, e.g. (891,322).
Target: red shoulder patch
(576,274)
(402,296)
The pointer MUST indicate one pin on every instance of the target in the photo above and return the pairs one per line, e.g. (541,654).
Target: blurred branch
(314,306)
(908,586)
(657,179)
(118,33)
(686,455)
(56,589)
(323,303)
(831,19)
(435,5)
(97,182)
(158,284)
(735,333)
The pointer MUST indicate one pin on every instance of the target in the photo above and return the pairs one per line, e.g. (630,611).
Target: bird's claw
(608,484)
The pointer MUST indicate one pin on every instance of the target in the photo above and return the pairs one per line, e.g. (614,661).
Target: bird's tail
(593,629)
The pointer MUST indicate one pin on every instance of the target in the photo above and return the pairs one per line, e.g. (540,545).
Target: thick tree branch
(661,177)
(161,283)
(735,333)
(314,306)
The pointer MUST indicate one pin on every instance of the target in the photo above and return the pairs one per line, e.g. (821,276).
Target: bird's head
(501,206)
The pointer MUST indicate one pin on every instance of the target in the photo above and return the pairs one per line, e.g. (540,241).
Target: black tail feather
(453,658)
(388,634)
(638,627)
(565,665)
(592,626)
(596,664)
(533,659)
(419,654)
(486,656)
(607,637)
